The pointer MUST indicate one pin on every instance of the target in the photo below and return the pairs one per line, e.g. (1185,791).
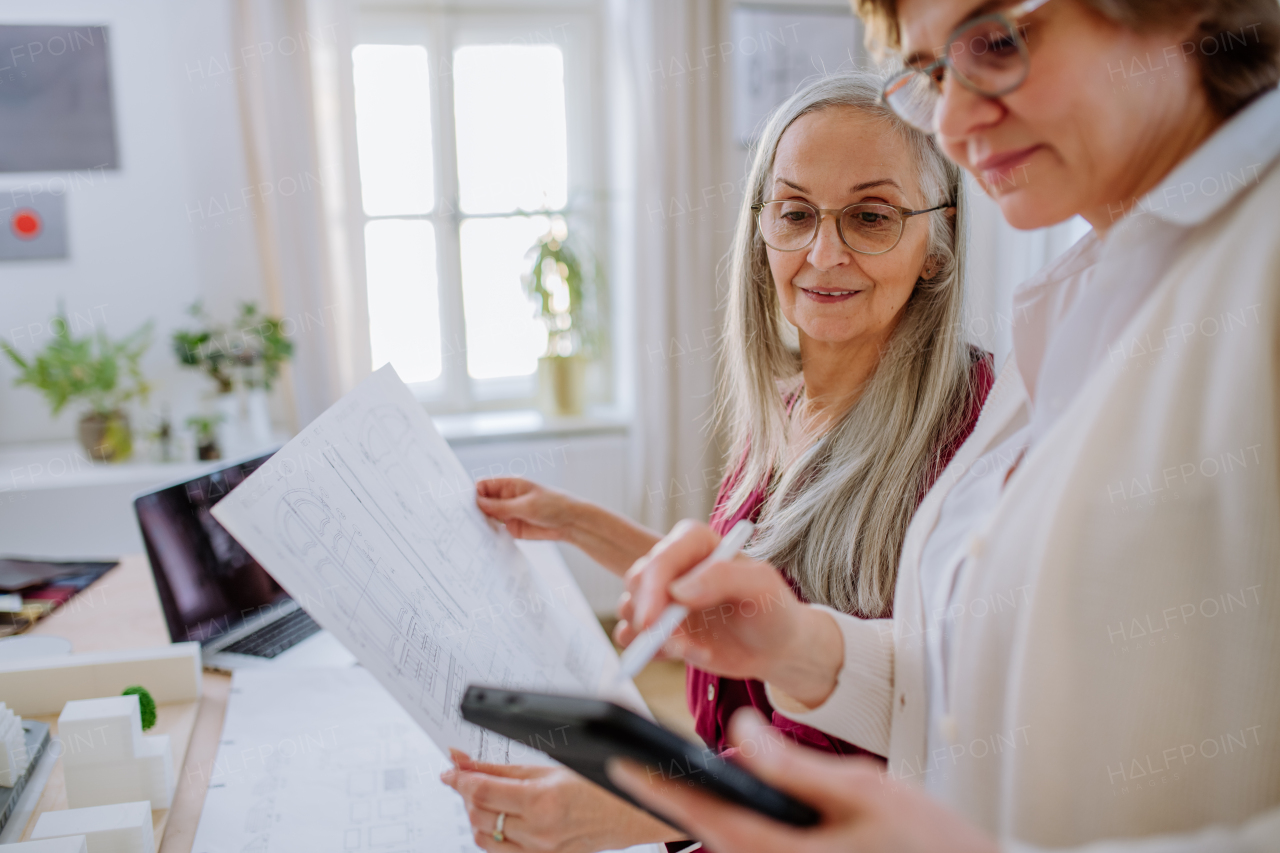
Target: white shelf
(57,503)
(475,427)
(66,465)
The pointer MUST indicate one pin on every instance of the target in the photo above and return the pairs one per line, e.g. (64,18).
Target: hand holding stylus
(652,639)
(744,621)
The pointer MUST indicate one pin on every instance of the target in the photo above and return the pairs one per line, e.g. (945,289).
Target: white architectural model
(106,758)
(121,828)
(37,687)
(13,748)
(69,844)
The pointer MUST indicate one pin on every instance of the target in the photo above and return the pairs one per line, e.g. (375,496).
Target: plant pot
(106,436)
(246,423)
(562,385)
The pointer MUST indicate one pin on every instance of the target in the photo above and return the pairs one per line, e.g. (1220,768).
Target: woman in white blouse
(1085,646)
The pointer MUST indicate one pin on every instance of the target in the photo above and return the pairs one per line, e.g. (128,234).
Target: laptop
(213,592)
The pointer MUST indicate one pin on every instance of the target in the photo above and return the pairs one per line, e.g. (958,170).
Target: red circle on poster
(26,224)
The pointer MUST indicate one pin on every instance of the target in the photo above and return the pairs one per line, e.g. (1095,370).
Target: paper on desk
(324,759)
(369,521)
(315,759)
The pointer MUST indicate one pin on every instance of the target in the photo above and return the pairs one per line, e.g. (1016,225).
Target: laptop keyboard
(277,637)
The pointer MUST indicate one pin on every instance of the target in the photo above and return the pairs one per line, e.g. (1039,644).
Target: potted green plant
(244,359)
(94,369)
(205,428)
(556,285)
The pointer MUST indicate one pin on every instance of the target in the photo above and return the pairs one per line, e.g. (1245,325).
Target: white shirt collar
(1230,161)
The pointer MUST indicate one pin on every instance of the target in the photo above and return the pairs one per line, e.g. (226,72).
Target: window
(474,140)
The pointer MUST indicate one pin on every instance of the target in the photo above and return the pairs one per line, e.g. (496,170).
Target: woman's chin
(1027,209)
(833,332)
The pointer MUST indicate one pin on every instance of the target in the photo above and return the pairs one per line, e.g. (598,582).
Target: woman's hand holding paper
(533,511)
(547,808)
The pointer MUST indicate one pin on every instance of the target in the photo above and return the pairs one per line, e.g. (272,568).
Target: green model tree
(146,705)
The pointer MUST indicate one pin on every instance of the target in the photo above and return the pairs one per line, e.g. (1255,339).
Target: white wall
(143,243)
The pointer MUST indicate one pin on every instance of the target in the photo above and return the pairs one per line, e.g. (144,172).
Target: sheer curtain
(669,125)
(297,113)
(1000,258)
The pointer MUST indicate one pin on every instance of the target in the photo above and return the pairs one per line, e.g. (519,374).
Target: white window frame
(440,31)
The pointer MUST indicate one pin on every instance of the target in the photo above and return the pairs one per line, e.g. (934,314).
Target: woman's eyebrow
(793,186)
(856,188)
(921,58)
(882,182)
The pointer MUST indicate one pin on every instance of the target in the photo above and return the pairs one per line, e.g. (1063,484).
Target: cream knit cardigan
(1121,687)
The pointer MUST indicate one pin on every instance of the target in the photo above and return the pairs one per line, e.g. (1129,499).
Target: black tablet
(584,733)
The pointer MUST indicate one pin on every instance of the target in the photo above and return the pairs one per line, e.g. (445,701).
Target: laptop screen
(207,583)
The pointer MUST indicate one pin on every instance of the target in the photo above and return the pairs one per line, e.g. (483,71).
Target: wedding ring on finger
(498,834)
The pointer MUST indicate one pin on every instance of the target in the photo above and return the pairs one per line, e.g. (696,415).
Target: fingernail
(696,655)
(447,776)
(685,587)
(747,721)
(619,772)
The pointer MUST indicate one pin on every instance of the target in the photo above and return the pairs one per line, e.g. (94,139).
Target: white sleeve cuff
(1259,834)
(861,706)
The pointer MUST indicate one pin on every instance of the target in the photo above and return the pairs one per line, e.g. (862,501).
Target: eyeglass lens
(987,56)
(790,226)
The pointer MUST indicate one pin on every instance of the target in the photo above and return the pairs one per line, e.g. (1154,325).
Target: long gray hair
(837,513)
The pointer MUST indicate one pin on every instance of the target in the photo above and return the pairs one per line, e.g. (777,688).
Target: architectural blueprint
(325,760)
(369,521)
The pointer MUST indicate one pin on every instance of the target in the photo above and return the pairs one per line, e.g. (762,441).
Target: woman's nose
(961,112)
(828,250)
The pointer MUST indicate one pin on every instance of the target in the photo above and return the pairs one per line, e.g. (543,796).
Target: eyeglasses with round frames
(988,56)
(866,228)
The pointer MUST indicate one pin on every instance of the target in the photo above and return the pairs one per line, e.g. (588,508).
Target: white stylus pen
(645,646)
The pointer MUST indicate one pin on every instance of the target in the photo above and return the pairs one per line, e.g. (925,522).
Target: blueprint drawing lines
(355,519)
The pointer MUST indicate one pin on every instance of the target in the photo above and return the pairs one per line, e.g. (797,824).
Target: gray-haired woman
(846,387)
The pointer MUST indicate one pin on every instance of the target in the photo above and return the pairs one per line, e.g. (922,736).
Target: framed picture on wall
(56,110)
(776,48)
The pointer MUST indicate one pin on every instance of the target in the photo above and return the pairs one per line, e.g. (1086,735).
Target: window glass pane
(512,140)
(504,337)
(393,128)
(404,309)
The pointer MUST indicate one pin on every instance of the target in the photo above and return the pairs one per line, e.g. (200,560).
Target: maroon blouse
(712,699)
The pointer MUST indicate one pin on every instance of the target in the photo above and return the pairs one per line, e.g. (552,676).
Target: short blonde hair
(1244,63)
